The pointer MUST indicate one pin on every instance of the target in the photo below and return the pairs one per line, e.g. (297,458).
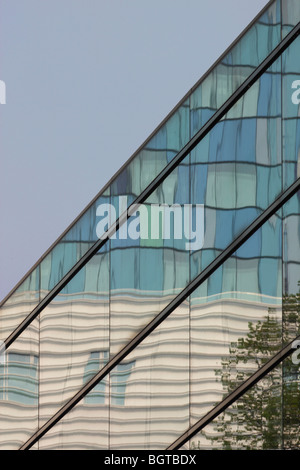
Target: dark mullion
(220,113)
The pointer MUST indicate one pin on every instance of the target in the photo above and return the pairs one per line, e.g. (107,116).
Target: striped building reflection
(235,171)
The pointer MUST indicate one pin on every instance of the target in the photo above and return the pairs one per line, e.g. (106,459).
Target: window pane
(19,390)
(74,337)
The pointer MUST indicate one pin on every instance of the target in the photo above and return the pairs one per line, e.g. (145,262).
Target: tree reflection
(268,415)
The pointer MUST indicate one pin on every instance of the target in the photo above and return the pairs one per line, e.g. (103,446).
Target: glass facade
(225,329)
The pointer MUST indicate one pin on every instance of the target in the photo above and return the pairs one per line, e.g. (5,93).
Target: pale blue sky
(87,81)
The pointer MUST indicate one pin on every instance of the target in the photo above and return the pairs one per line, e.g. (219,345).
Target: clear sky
(87,81)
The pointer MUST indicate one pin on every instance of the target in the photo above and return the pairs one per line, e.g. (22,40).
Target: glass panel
(291,246)
(146,396)
(254,422)
(236,66)
(291,113)
(236,168)
(86,426)
(150,389)
(265,418)
(149,266)
(74,336)
(71,248)
(236,319)
(291,323)
(19,368)
(290,15)
(17,307)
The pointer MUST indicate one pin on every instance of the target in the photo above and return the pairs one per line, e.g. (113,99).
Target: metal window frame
(220,113)
(203,276)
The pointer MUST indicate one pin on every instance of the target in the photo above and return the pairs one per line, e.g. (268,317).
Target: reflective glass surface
(242,299)
(146,396)
(207,346)
(200,208)
(290,15)
(229,326)
(265,418)
(19,389)
(188,117)
(291,113)
(156,397)
(74,336)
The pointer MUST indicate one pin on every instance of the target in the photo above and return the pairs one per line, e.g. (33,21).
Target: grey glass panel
(146,396)
(183,122)
(74,336)
(19,384)
(17,307)
(290,15)
(85,427)
(150,401)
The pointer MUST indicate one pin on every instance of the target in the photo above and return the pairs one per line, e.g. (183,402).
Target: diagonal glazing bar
(156,182)
(202,277)
(235,395)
